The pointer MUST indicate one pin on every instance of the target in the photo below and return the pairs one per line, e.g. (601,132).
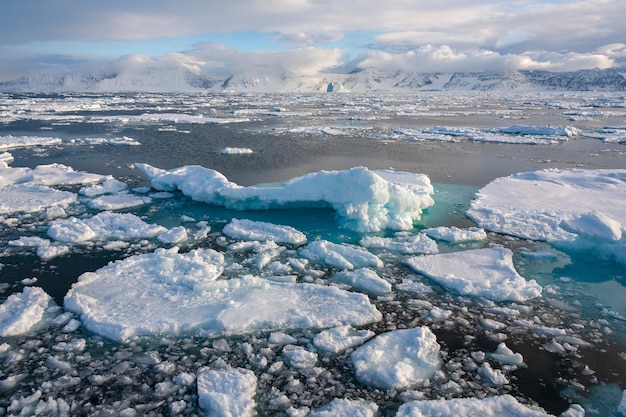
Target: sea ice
(170,293)
(455,235)
(340,256)
(487,273)
(243,229)
(49,175)
(23,311)
(340,338)
(32,199)
(398,359)
(504,405)
(533,205)
(404,243)
(236,151)
(364,200)
(103,226)
(363,279)
(506,356)
(15,142)
(108,186)
(118,201)
(227,392)
(346,408)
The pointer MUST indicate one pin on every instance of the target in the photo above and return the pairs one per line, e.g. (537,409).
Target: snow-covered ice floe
(574,209)
(503,405)
(23,311)
(398,359)
(487,273)
(250,230)
(227,392)
(169,293)
(364,200)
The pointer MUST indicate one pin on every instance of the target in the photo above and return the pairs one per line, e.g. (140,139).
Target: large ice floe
(364,200)
(574,209)
(487,273)
(171,293)
(503,405)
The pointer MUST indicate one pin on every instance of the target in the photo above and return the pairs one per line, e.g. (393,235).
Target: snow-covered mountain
(180,79)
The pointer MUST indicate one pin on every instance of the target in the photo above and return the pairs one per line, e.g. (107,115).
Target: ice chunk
(492,376)
(364,200)
(456,235)
(23,311)
(236,151)
(166,292)
(243,229)
(504,405)
(174,236)
(108,186)
(341,338)
(487,273)
(103,226)
(298,357)
(347,408)
(15,142)
(533,205)
(404,243)
(227,392)
(397,359)
(363,279)
(49,175)
(341,256)
(506,356)
(118,201)
(32,199)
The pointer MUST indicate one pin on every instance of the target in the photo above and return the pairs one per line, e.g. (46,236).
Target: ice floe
(22,312)
(227,392)
(342,256)
(254,230)
(574,209)
(487,273)
(398,359)
(32,199)
(346,408)
(236,151)
(173,293)
(15,142)
(364,200)
(404,243)
(364,279)
(504,405)
(455,235)
(340,338)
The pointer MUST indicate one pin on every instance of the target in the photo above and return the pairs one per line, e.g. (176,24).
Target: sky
(310,36)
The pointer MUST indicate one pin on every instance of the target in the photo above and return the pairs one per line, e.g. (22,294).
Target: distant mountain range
(362,80)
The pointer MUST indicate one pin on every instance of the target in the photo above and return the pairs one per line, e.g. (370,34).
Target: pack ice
(575,209)
(364,200)
(169,293)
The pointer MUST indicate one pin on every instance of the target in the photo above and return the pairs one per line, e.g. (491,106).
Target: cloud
(430,58)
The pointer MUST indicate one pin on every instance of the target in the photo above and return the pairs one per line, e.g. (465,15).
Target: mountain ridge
(168,79)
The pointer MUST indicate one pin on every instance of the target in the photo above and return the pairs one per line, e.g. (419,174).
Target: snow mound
(533,205)
(398,359)
(364,200)
(170,293)
(23,311)
(244,229)
(504,405)
(487,273)
(227,392)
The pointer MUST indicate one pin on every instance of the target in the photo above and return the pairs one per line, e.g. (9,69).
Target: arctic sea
(357,208)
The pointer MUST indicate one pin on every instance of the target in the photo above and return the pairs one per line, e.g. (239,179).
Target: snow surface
(487,273)
(364,200)
(397,359)
(23,311)
(227,392)
(504,405)
(166,292)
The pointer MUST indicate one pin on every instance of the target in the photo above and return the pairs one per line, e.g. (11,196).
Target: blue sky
(312,35)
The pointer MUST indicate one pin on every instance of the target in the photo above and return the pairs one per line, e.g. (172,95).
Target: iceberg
(398,359)
(23,311)
(227,392)
(364,200)
(172,293)
(487,273)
